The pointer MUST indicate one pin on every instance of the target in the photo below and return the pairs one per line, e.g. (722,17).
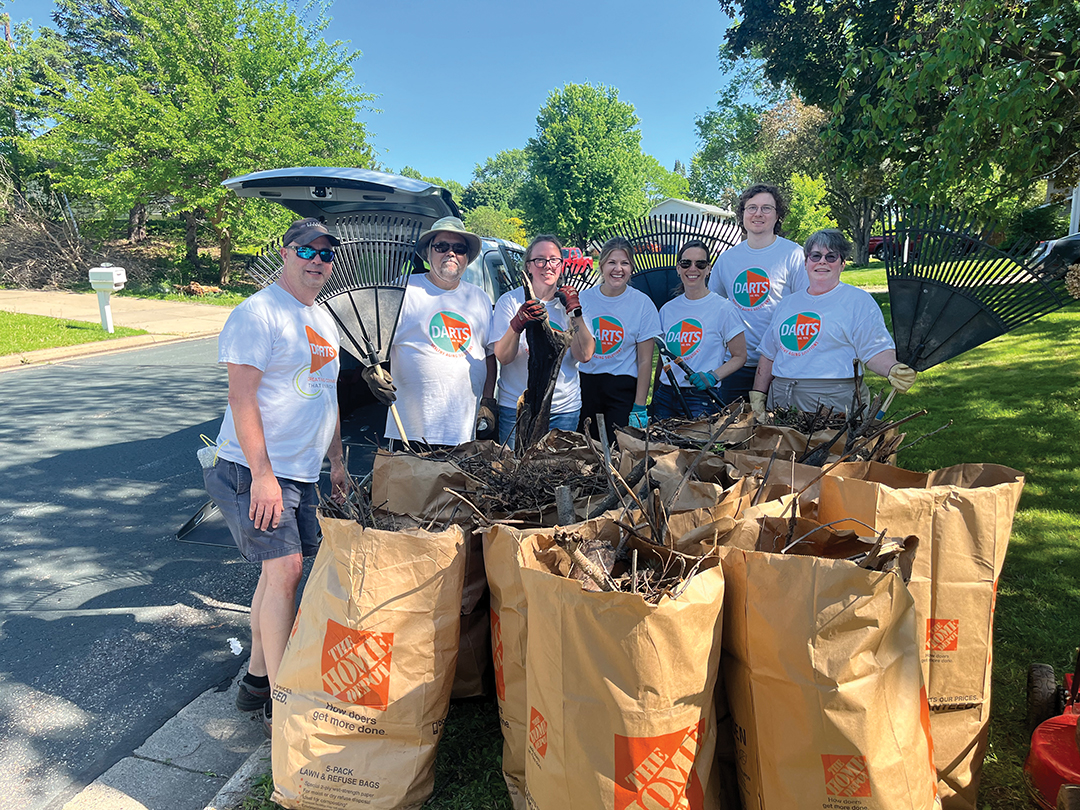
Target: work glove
(757,405)
(381,384)
(702,380)
(531,310)
(487,419)
(902,377)
(570,301)
(639,416)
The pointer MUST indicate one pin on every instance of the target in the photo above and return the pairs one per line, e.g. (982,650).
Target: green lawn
(872,276)
(1013,401)
(26,333)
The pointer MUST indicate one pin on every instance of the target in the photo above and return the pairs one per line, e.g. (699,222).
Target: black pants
(609,394)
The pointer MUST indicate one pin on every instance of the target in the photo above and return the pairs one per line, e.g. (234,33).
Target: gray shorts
(229,484)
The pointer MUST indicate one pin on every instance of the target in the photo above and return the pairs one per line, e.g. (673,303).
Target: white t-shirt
(618,323)
(818,336)
(698,331)
(514,377)
(296,348)
(438,361)
(755,280)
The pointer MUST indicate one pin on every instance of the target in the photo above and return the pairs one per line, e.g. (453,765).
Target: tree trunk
(137,223)
(225,258)
(191,245)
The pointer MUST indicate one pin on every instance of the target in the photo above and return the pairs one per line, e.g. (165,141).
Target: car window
(475,274)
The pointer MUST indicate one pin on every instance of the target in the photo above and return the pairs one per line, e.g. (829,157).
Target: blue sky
(458,82)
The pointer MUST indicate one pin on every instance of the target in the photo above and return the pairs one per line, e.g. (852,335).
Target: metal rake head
(953,285)
(371,270)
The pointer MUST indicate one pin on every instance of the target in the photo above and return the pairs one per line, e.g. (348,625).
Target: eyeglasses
(460,248)
(700,264)
(831,258)
(765,209)
(307,252)
(540,262)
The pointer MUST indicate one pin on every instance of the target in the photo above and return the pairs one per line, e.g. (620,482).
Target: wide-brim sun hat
(449,225)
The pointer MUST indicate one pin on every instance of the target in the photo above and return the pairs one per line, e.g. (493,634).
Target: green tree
(661,184)
(453,186)
(728,156)
(216,88)
(808,209)
(498,182)
(484,220)
(586,167)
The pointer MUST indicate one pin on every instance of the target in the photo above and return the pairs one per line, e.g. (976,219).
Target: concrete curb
(233,793)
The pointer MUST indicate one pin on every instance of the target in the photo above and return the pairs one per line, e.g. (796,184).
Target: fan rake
(656,241)
(952,288)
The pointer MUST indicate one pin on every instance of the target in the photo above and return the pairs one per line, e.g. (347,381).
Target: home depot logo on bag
(684,337)
(609,334)
(497,655)
(846,775)
(450,333)
(538,732)
(653,773)
(751,288)
(798,333)
(942,635)
(356,665)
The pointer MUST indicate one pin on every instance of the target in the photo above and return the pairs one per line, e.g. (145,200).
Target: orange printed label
(658,772)
(356,665)
(846,775)
(538,732)
(497,655)
(321,351)
(942,635)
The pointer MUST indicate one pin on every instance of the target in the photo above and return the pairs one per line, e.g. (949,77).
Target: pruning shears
(667,353)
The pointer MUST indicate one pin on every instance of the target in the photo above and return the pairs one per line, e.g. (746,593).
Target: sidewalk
(166,321)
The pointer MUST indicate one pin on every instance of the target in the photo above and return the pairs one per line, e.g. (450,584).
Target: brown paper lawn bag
(823,679)
(963,516)
(364,685)
(620,690)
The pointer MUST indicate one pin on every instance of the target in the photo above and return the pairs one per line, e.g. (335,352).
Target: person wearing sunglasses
(624,321)
(756,274)
(543,261)
(281,353)
(815,335)
(442,366)
(703,329)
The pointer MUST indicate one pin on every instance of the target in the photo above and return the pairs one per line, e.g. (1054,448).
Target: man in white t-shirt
(442,368)
(756,274)
(281,352)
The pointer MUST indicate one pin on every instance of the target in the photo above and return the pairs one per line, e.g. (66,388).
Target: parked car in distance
(575,262)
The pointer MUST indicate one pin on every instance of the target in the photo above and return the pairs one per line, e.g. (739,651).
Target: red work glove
(531,310)
(569,297)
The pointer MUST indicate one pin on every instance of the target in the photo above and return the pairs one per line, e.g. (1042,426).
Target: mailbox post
(107,280)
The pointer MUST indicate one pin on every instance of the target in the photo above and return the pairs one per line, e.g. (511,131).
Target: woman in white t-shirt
(544,263)
(807,353)
(624,322)
(703,329)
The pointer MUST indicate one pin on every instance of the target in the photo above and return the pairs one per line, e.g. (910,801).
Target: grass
(873,275)
(1014,401)
(26,333)
(230,296)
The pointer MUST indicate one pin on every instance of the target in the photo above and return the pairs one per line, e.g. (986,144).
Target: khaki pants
(807,394)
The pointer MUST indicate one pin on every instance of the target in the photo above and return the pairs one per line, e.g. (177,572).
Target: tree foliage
(498,183)
(728,157)
(586,168)
(214,88)
(660,183)
(453,186)
(808,207)
(485,220)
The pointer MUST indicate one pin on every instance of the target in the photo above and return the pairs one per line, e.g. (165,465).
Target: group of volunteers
(768,321)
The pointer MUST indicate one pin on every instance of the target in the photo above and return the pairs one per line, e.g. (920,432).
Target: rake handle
(381,374)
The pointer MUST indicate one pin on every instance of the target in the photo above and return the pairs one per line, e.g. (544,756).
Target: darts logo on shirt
(751,288)
(609,335)
(450,333)
(798,333)
(308,380)
(683,337)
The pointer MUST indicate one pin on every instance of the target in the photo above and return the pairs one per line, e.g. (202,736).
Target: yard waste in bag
(364,685)
(621,671)
(963,516)
(822,672)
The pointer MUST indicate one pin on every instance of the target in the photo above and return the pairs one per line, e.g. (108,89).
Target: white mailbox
(107,280)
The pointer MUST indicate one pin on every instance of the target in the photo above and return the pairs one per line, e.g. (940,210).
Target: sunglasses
(700,264)
(460,248)
(306,252)
(829,257)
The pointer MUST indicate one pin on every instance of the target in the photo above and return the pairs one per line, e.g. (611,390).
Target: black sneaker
(251,698)
(268,719)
